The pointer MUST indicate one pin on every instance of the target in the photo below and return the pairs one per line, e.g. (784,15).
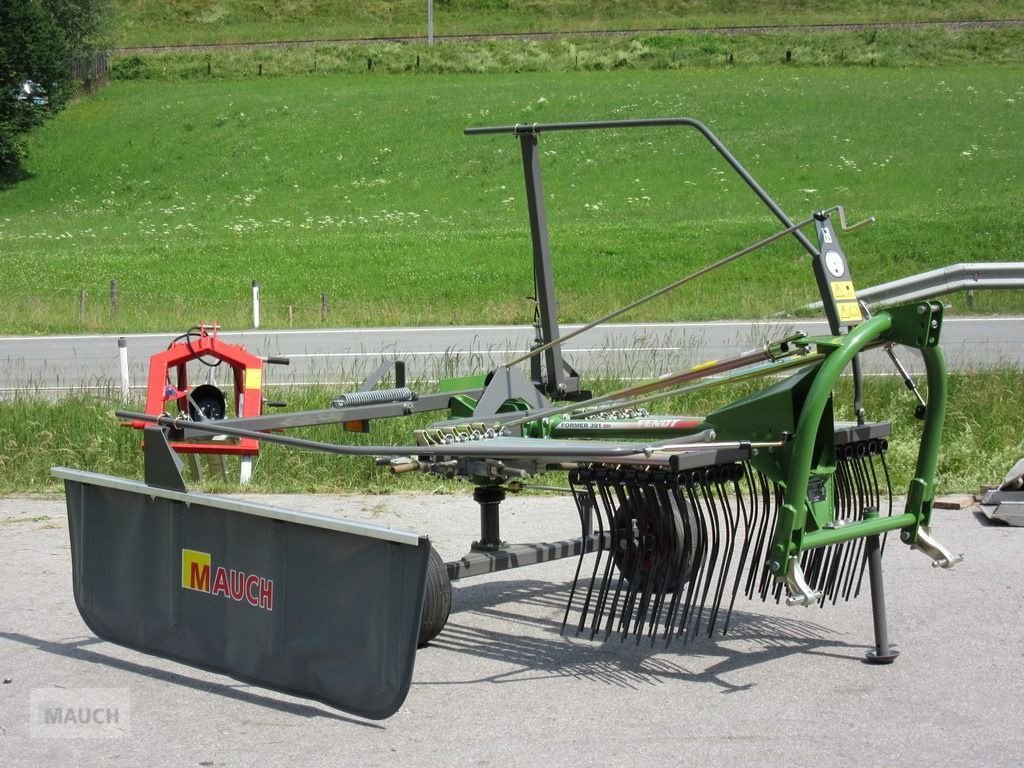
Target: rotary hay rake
(769,497)
(684,545)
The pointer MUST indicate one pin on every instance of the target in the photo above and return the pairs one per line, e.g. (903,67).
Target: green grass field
(364,189)
(143,22)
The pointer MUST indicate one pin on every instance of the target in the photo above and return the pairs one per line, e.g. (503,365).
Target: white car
(32,92)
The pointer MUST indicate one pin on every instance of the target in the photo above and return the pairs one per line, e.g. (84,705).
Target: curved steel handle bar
(656,122)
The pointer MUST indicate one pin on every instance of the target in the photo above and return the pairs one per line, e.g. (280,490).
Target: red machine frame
(172,363)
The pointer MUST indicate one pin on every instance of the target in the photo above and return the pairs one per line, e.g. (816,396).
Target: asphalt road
(58,364)
(502,686)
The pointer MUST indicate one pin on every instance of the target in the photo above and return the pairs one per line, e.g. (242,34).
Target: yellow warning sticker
(849,311)
(843,290)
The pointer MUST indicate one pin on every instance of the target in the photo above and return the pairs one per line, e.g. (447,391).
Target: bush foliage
(39,39)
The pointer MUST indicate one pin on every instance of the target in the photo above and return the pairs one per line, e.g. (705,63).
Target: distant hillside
(165,22)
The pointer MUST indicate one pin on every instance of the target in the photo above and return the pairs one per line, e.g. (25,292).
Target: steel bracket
(800,592)
(941,557)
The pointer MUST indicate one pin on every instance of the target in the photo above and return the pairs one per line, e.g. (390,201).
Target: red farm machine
(169,388)
(771,497)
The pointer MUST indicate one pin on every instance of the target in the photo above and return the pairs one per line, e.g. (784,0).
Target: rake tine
(647,551)
(756,526)
(602,586)
(628,567)
(704,538)
(763,509)
(673,492)
(663,555)
(771,587)
(883,447)
(862,501)
(745,513)
(648,563)
(668,573)
(617,538)
(846,506)
(729,529)
(841,555)
(702,559)
(647,554)
(712,560)
(630,556)
(605,531)
(866,500)
(591,502)
(667,548)
(672,531)
(876,451)
(581,508)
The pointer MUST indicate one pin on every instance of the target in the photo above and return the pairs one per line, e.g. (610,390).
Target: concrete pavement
(501,686)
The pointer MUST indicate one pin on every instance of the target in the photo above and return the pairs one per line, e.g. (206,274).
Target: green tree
(39,39)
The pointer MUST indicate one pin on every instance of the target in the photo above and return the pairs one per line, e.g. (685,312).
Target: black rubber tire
(437,599)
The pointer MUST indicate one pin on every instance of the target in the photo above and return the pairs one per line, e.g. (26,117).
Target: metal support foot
(882,653)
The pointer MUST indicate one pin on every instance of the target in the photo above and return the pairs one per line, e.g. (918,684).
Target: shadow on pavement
(752,639)
(78,650)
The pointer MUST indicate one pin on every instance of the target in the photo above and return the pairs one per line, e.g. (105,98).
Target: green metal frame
(800,526)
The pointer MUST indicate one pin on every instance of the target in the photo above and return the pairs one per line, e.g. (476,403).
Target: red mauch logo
(196,570)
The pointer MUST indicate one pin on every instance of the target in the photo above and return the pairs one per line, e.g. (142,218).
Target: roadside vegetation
(932,47)
(233,21)
(982,439)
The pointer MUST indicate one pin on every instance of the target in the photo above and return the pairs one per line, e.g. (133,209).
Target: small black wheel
(437,599)
(654,544)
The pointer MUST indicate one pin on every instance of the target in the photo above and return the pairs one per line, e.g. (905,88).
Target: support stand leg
(883,653)
(489,498)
